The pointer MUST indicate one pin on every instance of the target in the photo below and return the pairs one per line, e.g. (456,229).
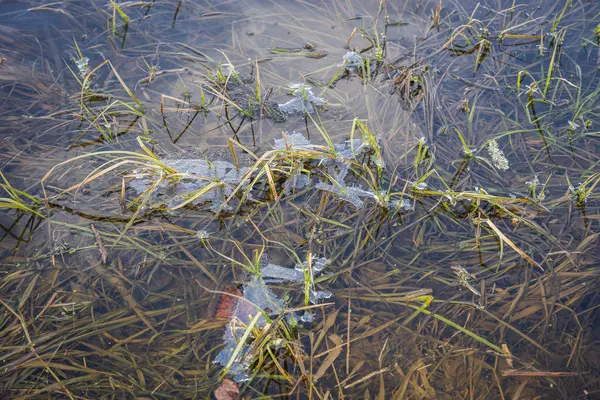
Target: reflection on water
(441,156)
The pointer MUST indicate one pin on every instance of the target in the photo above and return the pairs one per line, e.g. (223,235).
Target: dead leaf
(331,357)
(227,303)
(228,390)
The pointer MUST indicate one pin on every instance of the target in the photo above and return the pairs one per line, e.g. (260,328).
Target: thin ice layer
(194,175)
(256,296)
(292,139)
(281,274)
(352,149)
(350,194)
(303,102)
(317,264)
(352,60)
(318,295)
(296,181)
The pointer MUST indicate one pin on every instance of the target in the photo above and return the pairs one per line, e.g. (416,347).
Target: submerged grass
(454,272)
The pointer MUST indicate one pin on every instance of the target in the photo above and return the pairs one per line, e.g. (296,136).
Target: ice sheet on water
(257,296)
(318,264)
(297,180)
(354,148)
(304,101)
(348,193)
(292,139)
(278,273)
(194,175)
(270,270)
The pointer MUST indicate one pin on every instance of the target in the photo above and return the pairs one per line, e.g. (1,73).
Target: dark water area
(299,199)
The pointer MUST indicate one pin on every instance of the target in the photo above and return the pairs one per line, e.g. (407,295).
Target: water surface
(460,241)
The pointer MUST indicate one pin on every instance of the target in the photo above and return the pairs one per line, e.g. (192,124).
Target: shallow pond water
(300,199)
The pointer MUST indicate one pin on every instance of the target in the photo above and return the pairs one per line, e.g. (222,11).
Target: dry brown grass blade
(366,377)
(509,242)
(540,374)
(401,393)
(331,357)
(21,320)
(328,323)
(28,291)
(60,385)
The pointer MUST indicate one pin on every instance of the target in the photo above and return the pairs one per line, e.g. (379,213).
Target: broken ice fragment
(298,86)
(352,149)
(352,60)
(293,139)
(338,170)
(349,194)
(307,317)
(193,176)
(534,182)
(303,101)
(258,298)
(418,186)
(281,274)
(202,234)
(316,295)
(318,264)
(83,66)
(296,181)
(406,205)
